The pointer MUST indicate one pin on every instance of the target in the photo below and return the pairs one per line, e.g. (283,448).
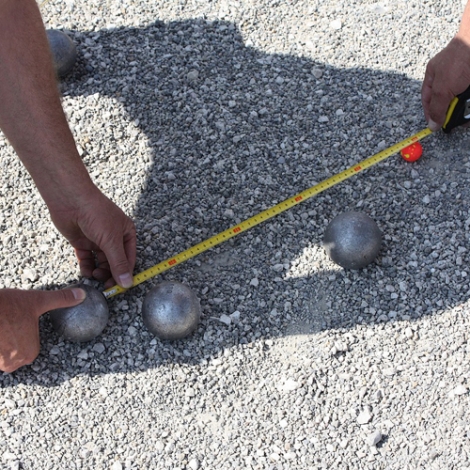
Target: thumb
(50,300)
(120,267)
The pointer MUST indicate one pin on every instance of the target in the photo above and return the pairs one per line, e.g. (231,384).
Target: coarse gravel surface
(193,116)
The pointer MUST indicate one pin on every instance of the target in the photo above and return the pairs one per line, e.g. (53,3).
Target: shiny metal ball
(64,52)
(85,321)
(171,310)
(352,240)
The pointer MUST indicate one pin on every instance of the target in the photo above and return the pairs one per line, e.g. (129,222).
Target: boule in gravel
(85,321)
(352,240)
(64,51)
(171,310)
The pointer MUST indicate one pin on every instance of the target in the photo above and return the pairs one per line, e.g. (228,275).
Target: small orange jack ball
(412,153)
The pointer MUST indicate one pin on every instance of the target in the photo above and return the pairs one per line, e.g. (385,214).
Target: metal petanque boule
(171,310)
(352,240)
(64,52)
(85,321)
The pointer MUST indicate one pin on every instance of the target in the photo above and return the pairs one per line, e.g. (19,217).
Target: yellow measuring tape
(268,213)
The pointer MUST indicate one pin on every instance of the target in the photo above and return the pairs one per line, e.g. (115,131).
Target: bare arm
(31,114)
(32,118)
(447,75)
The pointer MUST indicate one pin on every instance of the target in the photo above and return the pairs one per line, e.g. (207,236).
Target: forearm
(31,114)
(464,29)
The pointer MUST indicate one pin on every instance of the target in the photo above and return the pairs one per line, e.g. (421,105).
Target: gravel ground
(192,116)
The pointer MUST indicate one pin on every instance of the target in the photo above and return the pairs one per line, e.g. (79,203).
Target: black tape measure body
(459,111)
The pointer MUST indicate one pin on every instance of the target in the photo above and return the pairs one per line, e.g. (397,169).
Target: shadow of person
(225,131)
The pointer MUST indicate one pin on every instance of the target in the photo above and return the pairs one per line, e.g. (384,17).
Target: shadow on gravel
(232,131)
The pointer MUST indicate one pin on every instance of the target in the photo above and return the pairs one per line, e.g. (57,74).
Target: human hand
(103,237)
(19,322)
(447,75)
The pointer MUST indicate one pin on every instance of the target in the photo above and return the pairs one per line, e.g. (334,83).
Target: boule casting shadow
(63,50)
(171,310)
(352,240)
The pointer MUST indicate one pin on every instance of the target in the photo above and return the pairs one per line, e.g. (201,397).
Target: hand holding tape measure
(457,115)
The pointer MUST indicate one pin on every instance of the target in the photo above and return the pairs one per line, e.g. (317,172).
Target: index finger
(426,93)
(121,257)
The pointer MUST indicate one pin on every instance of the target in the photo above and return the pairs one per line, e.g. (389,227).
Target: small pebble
(193,75)
(225,319)
(364,417)
(235,316)
(290,385)
(374,438)
(336,24)
(99,348)
(194,464)
(460,390)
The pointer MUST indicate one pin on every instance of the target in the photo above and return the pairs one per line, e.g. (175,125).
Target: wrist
(63,182)
(459,49)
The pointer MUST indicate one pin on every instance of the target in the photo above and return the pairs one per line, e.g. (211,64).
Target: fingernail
(126,280)
(433,126)
(79,294)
